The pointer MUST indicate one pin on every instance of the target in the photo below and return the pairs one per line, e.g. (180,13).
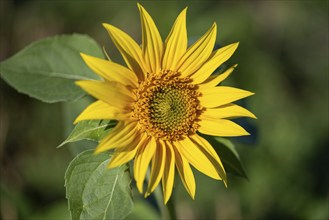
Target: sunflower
(163,100)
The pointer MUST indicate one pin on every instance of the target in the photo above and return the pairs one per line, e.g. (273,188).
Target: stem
(171,209)
(165,214)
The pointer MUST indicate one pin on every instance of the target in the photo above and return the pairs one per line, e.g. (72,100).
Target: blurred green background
(282,57)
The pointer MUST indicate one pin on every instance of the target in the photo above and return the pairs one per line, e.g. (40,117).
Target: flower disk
(167,106)
(164,101)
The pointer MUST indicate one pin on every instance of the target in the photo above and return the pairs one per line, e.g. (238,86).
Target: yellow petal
(110,70)
(142,161)
(158,164)
(227,111)
(214,81)
(120,136)
(221,127)
(216,59)
(151,41)
(137,162)
(208,150)
(101,110)
(197,158)
(221,95)
(176,43)
(198,53)
(114,94)
(185,173)
(125,154)
(119,159)
(129,49)
(168,173)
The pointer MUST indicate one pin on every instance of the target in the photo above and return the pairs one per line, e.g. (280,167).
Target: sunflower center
(167,106)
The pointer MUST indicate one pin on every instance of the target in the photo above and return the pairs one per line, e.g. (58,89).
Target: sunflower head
(164,99)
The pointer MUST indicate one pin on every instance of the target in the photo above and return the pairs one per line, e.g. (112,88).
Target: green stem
(171,209)
(159,199)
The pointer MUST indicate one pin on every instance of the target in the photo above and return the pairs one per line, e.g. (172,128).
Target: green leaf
(47,69)
(93,130)
(228,154)
(96,192)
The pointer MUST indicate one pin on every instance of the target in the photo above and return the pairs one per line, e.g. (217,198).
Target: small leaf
(228,154)
(96,192)
(93,130)
(47,69)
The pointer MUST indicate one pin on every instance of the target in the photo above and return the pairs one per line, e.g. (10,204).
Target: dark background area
(282,57)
